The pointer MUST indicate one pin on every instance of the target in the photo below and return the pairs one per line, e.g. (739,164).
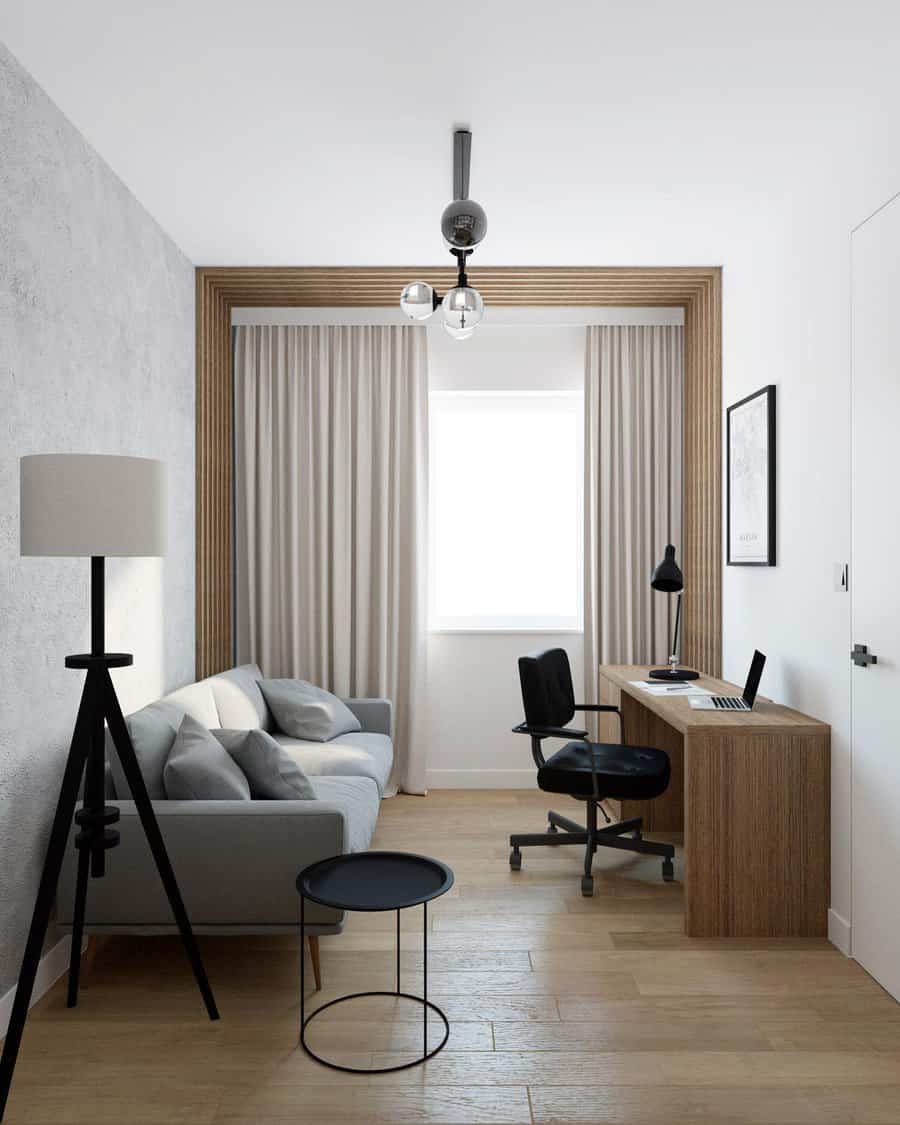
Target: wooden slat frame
(696,289)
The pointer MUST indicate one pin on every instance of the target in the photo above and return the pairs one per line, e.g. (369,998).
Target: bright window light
(506,511)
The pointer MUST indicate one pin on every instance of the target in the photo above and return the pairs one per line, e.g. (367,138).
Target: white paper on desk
(669,689)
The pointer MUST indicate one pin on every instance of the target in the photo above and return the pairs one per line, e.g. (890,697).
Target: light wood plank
(352,1103)
(679,1105)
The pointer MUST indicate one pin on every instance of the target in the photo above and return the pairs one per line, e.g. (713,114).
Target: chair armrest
(375,715)
(550,732)
(610,708)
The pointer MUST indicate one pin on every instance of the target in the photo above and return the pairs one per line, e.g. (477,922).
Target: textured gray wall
(96,356)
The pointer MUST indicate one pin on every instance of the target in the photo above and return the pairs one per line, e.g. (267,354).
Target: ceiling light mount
(463,226)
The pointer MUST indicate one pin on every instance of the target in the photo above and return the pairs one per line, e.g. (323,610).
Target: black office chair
(587,771)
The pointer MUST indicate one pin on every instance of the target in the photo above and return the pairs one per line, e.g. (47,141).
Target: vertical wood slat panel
(697,290)
(214,481)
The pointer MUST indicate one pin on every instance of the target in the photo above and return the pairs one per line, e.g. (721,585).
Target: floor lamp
(91,505)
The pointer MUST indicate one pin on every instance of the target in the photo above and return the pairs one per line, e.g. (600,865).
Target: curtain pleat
(331,464)
(633,490)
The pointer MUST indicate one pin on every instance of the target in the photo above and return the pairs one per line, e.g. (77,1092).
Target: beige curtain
(633,491)
(331,462)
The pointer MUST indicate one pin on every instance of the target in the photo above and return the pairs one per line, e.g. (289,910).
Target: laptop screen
(753,677)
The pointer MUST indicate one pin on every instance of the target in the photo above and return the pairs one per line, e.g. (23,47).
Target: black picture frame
(768,556)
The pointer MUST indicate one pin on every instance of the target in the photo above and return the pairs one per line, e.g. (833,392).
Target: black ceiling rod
(462,156)
(462,279)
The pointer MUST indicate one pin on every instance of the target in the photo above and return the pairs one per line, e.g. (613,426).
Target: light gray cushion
(358,798)
(359,754)
(197,701)
(152,731)
(305,711)
(238,699)
(273,774)
(201,769)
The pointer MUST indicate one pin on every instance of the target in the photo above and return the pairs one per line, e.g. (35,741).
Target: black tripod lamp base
(674,675)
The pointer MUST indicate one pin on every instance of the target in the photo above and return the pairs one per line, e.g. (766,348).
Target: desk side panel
(757,834)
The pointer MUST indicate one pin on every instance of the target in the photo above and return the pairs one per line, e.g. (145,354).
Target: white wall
(96,355)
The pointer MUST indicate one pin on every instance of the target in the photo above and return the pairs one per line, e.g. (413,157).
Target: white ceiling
(611,131)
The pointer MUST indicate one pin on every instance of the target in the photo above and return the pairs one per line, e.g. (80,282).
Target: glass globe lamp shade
(463,309)
(417,300)
(463,224)
(459,333)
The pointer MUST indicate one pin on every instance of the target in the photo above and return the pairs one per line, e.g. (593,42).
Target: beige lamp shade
(92,504)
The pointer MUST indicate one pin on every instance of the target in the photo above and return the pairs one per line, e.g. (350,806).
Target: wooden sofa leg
(313,940)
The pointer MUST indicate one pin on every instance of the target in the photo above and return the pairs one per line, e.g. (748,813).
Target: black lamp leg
(56,848)
(135,779)
(674,661)
(84,860)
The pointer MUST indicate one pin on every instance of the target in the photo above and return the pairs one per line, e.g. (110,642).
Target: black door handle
(861,656)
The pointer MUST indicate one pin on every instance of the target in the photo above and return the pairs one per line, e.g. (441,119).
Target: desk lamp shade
(92,505)
(667,576)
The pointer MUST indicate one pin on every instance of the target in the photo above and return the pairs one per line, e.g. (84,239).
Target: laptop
(732,702)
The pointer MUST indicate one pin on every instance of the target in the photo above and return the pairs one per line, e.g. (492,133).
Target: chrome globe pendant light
(463,225)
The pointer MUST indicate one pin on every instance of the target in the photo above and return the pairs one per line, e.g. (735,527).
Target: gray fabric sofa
(236,861)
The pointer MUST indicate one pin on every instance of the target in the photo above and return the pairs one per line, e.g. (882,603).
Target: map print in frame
(751,480)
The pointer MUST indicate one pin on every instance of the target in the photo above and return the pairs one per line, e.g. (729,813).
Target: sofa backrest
(198,701)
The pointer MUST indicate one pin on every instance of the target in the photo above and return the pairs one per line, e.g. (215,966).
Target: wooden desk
(751,793)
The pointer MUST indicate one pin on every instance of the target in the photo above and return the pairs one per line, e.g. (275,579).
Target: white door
(875,593)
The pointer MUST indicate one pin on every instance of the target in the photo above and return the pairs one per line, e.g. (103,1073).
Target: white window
(506,510)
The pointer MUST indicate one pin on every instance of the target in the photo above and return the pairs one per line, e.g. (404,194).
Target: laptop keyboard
(727,703)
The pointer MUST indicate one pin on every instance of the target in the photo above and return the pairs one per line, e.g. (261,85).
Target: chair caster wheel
(587,885)
(515,860)
(668,870)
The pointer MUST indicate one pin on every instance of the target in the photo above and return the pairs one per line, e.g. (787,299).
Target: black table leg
(302,965)
(425,977)
(398,952)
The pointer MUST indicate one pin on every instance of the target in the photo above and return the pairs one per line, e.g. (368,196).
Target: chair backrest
(547,692)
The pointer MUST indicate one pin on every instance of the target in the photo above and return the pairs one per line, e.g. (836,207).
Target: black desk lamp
(668,578)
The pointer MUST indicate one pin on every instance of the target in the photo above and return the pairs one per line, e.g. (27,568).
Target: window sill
(509,629)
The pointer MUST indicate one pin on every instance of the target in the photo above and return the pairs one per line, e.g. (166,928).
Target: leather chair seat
(637,773)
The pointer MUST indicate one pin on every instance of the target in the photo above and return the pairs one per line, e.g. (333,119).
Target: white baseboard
(482,779)
(839,932)
(52,966)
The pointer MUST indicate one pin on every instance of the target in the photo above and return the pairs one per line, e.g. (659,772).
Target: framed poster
(750,444)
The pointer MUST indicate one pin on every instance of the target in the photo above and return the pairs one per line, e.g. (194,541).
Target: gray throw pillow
(272,772)
(152,731)
(200,769)
(303,710)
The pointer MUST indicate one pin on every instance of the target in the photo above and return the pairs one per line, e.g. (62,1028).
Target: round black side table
(374,881)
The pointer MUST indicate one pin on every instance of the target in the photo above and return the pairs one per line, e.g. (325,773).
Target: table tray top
(375,881)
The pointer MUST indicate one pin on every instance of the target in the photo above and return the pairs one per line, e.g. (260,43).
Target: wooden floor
(562,1009)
